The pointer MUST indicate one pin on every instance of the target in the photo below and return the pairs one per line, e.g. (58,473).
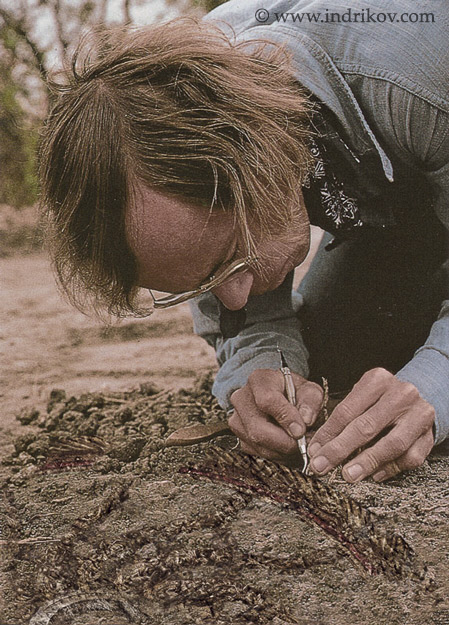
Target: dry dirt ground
(114,534)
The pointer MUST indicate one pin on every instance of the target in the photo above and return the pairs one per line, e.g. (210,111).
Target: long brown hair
(182,109)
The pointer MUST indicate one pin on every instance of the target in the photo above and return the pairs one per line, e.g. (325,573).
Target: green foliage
(18,135)
(208,5)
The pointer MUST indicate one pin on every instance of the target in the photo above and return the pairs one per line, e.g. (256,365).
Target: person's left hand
(379,407)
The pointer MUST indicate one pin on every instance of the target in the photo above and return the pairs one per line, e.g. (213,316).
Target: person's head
(170,116)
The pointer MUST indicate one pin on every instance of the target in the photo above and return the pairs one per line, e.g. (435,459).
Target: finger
(413,458)
(268,388)
(269,454)
(414,424)
(237,426)
(309,400)
(366,392)
(257,431)
(356,435)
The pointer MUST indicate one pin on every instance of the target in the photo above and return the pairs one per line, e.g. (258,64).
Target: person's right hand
(264,420)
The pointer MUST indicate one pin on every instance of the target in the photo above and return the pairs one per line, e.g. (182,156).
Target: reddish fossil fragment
(68,453)
(378,550)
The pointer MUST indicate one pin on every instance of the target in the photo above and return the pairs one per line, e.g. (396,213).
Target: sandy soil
(130,540)
(45,343)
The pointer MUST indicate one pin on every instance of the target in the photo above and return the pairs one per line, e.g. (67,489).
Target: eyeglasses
(213,282)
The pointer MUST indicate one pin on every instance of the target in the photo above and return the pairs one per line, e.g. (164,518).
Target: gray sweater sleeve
(429,368)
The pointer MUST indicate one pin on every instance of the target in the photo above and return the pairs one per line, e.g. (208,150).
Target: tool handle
(290,390)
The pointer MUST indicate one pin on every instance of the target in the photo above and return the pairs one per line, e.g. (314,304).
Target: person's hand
(264,420)
(386,417)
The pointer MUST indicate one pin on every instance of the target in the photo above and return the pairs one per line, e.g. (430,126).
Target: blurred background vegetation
(37,37)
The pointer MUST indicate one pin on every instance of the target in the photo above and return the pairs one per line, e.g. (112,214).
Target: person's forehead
(176,243)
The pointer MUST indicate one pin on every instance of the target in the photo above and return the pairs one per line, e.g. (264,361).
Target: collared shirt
(387,86)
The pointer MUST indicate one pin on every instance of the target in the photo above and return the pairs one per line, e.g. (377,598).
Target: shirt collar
(317,72)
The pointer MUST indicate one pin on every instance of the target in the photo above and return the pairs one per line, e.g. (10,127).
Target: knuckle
(259,376)
(366,427)
(282,417)
(429,411)
(398,444)
(378,374)
(429,443)
(382,374)
(414,458)
(409,391)
(264,401)
(429,419)
(238,396)
(345,412)
(338,449)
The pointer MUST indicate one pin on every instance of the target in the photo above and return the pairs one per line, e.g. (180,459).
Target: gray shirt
(385,75)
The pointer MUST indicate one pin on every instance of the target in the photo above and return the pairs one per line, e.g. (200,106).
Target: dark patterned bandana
(327,203)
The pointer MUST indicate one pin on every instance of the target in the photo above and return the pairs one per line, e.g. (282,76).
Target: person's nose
(234,292)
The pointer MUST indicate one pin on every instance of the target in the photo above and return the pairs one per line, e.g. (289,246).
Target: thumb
(289,417)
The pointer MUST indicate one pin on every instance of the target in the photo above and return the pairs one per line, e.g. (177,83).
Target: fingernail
(354,472)
(295,430)
(321,464)
(306,413)
(313,449)
(381,475)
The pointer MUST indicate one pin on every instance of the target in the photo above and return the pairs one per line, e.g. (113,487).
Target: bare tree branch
(102,12)
(64,44)
(127,11)
(19,26)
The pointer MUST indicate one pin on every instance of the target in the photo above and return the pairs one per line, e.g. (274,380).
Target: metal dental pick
(291,396)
